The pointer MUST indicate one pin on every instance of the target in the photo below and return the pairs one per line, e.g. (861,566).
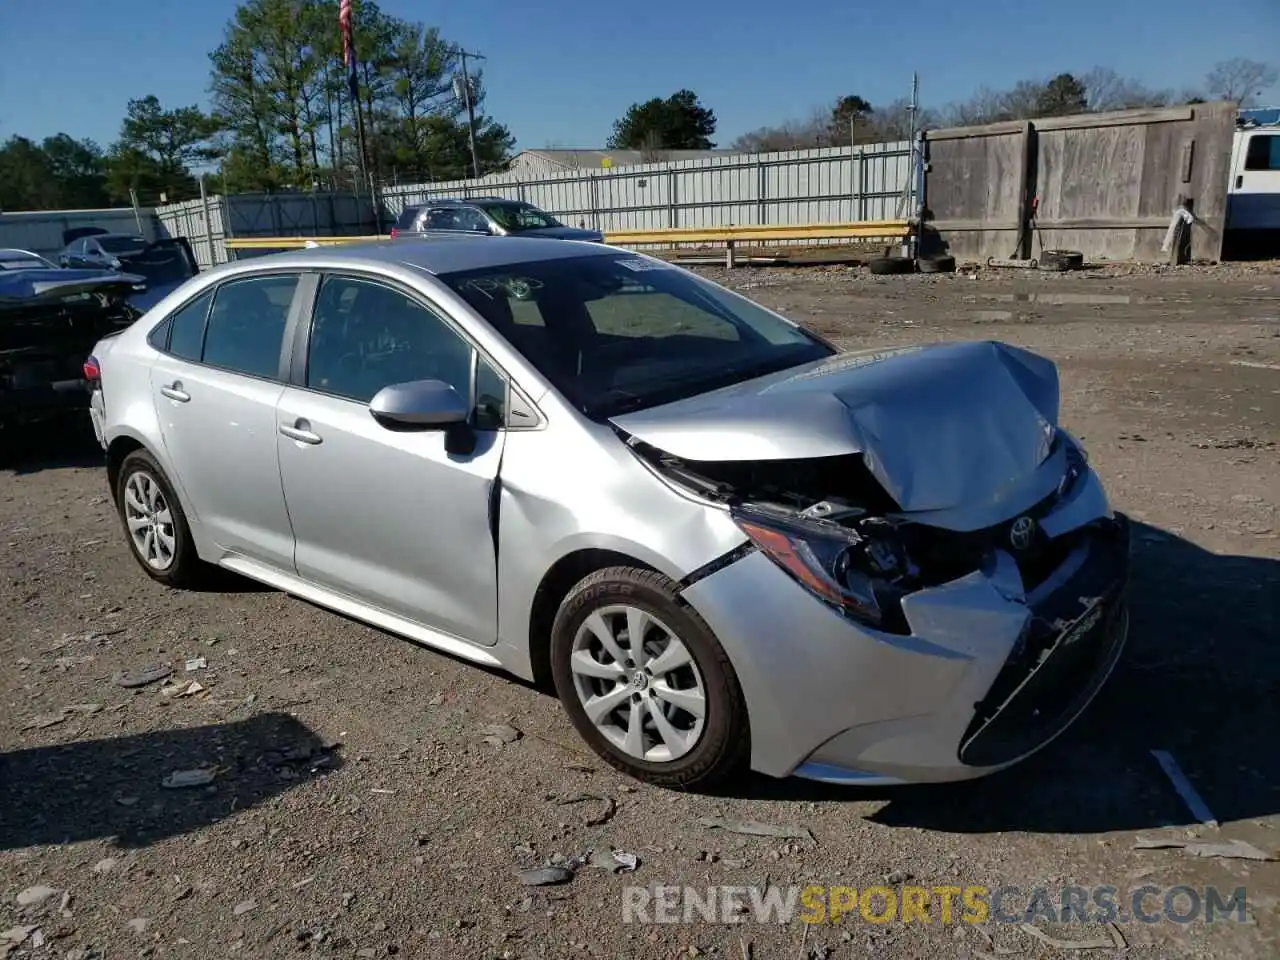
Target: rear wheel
(942,263)
(645,681)
(154,523)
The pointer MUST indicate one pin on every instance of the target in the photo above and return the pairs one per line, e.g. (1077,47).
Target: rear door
(216,386)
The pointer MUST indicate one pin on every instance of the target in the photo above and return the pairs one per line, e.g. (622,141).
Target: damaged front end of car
(994,604)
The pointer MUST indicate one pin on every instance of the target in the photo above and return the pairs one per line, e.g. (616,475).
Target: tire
(720,743)
(884,266)
(1061,260)
(184,567)
(943,263)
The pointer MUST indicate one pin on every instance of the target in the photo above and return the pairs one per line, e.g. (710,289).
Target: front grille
(1067,651)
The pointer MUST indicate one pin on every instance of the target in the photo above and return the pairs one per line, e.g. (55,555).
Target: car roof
(463,202)
(434,255)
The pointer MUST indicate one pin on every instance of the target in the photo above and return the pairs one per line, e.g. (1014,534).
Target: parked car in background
(14,259)
(105,251)
(486,216)
(50,319)
(721,540)
(162,264)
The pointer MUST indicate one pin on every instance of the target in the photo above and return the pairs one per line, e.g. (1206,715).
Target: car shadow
(112,788)
(1198,679)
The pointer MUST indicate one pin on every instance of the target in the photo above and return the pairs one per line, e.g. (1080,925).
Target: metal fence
(835,184)
(41,230)
(828,185)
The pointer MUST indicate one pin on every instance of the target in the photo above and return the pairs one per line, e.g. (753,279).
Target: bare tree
(1240,80)
(1107,90)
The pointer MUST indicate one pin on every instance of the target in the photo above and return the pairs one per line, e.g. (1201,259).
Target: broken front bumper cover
(989,673)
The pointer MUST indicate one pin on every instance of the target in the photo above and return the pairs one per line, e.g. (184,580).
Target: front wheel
(645,681)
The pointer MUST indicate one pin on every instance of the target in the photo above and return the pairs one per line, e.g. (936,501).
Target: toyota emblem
(1021,532)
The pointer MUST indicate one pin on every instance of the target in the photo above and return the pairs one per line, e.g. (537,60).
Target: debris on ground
(34,896)
(1114,941)
(16,936)
(142,677)
(243,907)
(1226,849)
(546,876)
(196,663)
(607,807)
(1188,794)
(181,779)
(186,689)
(498,734)
(615,861)
(755,828)
(138,924)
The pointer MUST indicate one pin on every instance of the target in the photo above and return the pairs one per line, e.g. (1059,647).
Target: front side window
(245,329)
(622,333)
(366,336)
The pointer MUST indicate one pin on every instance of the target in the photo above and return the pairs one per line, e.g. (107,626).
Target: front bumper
(990,672)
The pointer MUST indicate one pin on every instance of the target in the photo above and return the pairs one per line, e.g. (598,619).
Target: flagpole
(353,81)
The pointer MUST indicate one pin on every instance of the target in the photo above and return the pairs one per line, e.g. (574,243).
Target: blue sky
(560,71)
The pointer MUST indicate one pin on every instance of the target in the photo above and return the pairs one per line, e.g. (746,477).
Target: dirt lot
(358,811)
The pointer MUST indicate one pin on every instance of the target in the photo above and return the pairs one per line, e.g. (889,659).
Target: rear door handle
(174,391)
(300,430)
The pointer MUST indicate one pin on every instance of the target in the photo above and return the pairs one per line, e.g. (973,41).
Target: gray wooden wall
(1107,183)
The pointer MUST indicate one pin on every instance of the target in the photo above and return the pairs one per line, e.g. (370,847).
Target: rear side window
(186,328)
(245,329)
(1264,152)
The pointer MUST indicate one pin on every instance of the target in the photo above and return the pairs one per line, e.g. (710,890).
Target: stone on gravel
(243,907)
(546,876)
(139,924)
(34,896)
(182,779)
(498,734)
(132,679)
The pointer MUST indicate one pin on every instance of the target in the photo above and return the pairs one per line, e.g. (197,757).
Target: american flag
(344,23)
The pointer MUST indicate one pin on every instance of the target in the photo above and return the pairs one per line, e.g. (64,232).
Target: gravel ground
(361,806)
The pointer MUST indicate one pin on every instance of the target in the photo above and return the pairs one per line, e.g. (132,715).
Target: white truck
(1253,195)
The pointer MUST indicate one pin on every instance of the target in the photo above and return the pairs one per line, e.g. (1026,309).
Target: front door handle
(174,391)
(300,430)
(1239,180)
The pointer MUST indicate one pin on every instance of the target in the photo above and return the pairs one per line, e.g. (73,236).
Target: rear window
(407,216)
(120,244)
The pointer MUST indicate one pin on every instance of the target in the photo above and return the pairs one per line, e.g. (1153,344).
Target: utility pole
(470,103)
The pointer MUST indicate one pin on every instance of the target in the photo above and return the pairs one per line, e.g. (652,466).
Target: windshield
(120,244)
(519,216)
(616,332)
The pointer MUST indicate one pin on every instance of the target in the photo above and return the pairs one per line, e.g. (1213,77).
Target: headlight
(850,569)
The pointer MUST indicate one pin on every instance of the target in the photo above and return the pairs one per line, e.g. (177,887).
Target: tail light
(394,232)
(92,371)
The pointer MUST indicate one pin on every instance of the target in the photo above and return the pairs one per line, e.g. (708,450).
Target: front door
(216,386)
(1254,200)
(390,518)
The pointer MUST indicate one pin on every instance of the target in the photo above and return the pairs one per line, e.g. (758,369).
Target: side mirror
(419,405)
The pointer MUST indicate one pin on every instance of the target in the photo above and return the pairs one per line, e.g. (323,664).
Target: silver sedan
(723,542)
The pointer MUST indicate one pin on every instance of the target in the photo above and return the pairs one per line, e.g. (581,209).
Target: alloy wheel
(638,684)
(150,521)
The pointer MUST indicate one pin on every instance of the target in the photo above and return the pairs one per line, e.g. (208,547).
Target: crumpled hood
(938,426)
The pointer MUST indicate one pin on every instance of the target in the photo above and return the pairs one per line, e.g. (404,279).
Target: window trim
(291,320)
(297,374)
